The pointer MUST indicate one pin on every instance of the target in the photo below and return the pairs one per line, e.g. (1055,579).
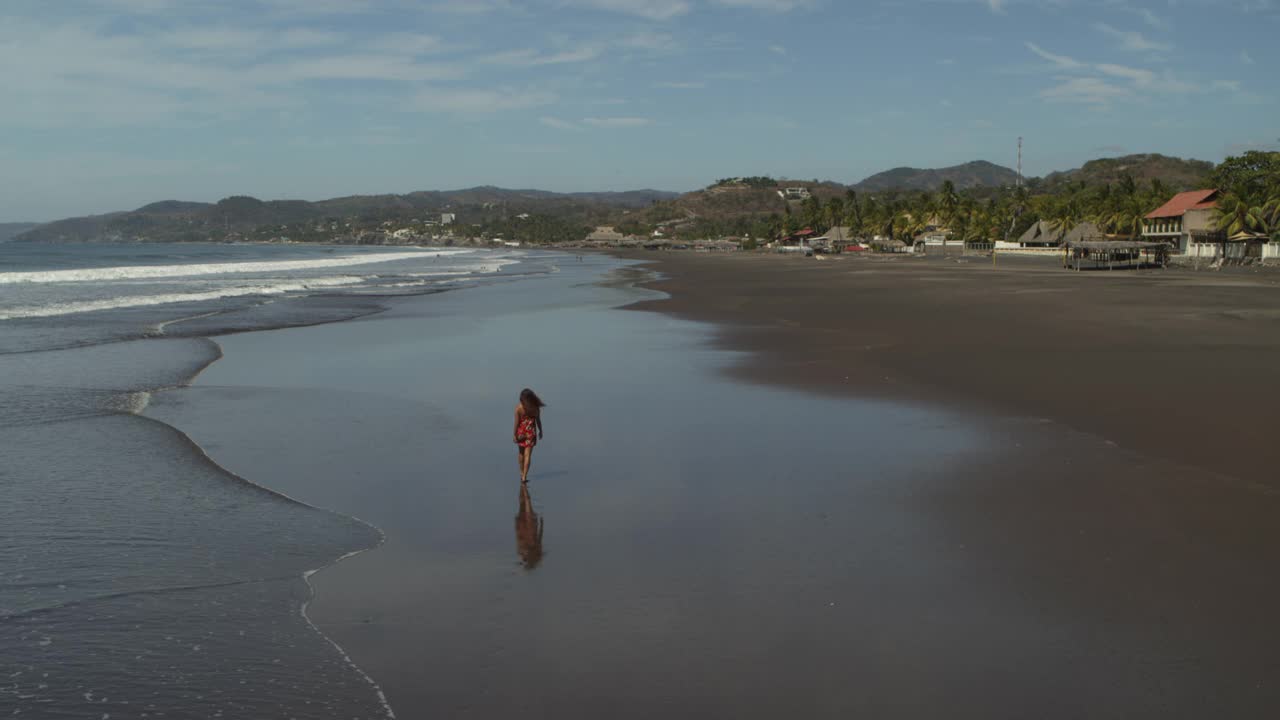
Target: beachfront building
(799,238)
(939,237)
(1184,222)
(606,234)
(837,238)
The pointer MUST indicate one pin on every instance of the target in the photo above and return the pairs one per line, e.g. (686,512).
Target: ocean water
(137,577)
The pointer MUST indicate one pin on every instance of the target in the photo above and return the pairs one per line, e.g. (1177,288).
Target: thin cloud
(535,149)
(1151,18)
(779,6)
(1061,61)
(471,7)
(558,124)
(648,41)
(77,74)
(681,85)
(1137,75)
(1086,91)
(479,101)
(996,6)
(1132,40)
(530,57)
(648,9)
(617,122)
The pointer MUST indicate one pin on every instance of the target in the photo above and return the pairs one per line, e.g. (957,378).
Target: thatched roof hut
(1043,233)
(894,245)
(839,235)
(1084,232)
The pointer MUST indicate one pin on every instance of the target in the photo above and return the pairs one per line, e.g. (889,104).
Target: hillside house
(794,193)
(1184,222)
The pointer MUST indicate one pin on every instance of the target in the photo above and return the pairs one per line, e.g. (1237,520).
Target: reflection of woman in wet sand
(528,429)
(528,531)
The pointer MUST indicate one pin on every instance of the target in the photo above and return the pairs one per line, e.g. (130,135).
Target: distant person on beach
(528,429)
(528,531)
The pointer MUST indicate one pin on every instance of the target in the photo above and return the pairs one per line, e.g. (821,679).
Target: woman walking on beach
(528,429)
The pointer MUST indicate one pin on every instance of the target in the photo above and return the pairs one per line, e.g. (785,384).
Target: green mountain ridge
(978,173)
(8,231)
(730,206)
(242,217)
(1175,173)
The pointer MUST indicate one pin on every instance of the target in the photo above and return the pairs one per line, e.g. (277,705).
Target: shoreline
(306,575)
(661,592)
(1141,359)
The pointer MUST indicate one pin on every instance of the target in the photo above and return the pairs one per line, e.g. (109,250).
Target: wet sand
(1177,364)
(711,547)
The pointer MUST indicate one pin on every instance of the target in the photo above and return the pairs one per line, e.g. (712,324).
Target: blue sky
(110,104)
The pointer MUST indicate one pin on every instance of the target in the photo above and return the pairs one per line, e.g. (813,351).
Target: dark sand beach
(1178,364)
(879,522)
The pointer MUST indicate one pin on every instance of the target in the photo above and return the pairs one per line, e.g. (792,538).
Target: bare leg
(520,461)
(525,458)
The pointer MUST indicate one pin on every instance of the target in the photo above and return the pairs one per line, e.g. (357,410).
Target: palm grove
(1250,202)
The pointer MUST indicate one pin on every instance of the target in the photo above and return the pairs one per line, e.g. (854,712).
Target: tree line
(1250,201)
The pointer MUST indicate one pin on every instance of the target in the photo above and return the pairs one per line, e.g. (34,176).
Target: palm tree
(947,202)
(811,212)
(1124,217)
(834,212)
(1065,214)
(1271,216)
(853,210)
(1233,215)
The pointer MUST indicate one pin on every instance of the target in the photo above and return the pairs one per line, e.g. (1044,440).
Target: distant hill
(243,217)
(978,173)
(1176,173)
(729,200)
(11,230)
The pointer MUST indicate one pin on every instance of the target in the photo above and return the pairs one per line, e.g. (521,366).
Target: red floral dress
(527,432)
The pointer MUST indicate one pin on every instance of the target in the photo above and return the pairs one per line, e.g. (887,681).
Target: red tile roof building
(1186,215)
(1182,202)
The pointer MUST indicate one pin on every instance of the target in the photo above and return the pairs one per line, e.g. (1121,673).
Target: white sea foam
(487,266)
(68,308)
(129,272)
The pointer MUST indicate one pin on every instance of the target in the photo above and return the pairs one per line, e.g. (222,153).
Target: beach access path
(1178,364)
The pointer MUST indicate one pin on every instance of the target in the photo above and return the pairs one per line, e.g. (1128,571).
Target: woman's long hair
(532,403)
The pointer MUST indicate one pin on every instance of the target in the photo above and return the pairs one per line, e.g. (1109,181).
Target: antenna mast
(1019,161)
(1017,211)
